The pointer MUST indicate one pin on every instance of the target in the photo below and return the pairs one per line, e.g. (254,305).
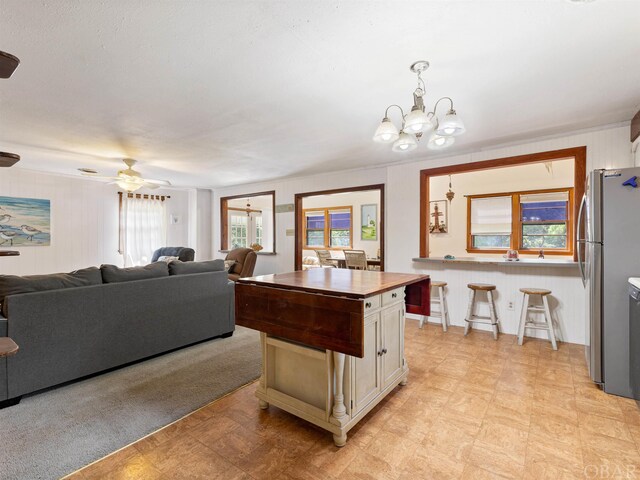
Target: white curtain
(145,229)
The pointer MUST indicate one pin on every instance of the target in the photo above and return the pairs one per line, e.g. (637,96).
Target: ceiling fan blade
(101,177)
(160,183)
(151,186)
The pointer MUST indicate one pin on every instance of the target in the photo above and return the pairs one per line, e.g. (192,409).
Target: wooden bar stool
(443,310)
(525,322)
(492,319)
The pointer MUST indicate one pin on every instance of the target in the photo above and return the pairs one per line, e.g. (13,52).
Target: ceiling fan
(128,179)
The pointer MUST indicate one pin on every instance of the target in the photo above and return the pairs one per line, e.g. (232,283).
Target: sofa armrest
(4,326)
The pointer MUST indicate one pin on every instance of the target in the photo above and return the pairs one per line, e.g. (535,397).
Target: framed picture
(25,222)
(369,221)
(438,221)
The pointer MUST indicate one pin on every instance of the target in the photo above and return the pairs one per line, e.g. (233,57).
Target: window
(258,221)
(238,230)
(328,227)
(544,218)
(491,222)
(523,221)
(248,220)
(143,227)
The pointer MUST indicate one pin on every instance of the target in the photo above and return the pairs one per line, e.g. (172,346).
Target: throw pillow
(183,268)
(13,284)
(228,265)
(113,274)
(167,258)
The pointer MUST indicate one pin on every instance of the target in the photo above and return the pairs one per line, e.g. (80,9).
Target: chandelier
(417,122)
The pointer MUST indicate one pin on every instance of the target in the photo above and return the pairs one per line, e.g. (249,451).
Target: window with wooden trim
(524,221)
(330,228)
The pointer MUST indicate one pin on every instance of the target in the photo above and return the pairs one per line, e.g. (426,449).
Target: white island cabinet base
(330,389)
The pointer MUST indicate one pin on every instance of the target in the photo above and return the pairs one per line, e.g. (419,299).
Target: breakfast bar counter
(522,262)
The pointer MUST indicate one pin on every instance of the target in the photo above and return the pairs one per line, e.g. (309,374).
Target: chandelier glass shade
(386,132)
(419,121)
(438,142)
(405,143)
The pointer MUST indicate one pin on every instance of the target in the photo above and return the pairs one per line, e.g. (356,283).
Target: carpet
(52,434)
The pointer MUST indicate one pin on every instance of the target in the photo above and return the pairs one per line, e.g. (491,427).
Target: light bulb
(437,142)
(405,143)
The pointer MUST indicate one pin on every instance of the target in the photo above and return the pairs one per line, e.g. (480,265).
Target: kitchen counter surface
(523,262)
(635,282)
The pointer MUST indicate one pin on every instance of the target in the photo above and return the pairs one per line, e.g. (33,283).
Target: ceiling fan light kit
(418,121)
(128,179)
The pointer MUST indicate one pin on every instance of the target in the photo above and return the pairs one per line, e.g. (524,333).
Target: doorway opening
(330,222)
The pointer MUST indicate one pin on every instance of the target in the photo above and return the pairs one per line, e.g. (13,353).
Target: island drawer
(393,296)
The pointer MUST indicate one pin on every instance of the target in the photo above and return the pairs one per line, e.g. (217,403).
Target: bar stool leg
(446,312)
(472,299)
(492,313)
(523,318)
(443,309)
(547,315)
(422,318)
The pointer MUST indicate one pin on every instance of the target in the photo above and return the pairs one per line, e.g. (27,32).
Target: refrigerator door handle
(580,242)
(579,222)
(581,263)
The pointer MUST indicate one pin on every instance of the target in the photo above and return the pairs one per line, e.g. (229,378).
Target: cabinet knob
(379,353)
(367,305)
(384,351)
(394,295)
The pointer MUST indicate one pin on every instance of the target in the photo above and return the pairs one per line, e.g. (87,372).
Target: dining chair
(324,257)
(355,259)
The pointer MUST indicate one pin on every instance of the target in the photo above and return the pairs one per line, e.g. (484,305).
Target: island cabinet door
(366,371)
(392,326)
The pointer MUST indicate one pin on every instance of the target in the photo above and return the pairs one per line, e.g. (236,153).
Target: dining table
(371,262)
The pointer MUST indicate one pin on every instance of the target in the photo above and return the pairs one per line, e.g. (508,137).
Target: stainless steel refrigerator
(608,254)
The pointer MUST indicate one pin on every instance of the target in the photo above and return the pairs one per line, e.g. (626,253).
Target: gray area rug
(51,434)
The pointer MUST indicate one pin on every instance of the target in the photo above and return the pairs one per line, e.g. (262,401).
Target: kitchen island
(332,340)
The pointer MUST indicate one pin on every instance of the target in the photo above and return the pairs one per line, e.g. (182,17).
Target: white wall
(355,200)
(84,222)
(285,189)
(606,148)
(510,179)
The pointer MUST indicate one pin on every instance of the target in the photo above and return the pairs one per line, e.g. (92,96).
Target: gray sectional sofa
(119,316)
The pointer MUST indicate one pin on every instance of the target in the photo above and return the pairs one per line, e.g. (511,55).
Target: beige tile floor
(474,408)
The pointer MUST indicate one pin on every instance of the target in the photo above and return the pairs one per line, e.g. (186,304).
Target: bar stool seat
(441,300)
(485,287)
(525,322)
(471,317)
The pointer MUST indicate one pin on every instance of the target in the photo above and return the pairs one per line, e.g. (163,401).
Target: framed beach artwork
(369,222)
(438,221)
(25,222)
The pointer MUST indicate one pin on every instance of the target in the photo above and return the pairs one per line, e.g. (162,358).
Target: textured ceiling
(208,93)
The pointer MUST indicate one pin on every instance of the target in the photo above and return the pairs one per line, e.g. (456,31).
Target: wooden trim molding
(579,154)
(299,219)
(224,216)
(635,127)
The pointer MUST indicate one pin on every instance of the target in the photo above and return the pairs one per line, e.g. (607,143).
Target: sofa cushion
(13,284)
(113,274)
(183,268)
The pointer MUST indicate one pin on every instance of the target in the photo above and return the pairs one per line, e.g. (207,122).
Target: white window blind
(491,216)
(545,197)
